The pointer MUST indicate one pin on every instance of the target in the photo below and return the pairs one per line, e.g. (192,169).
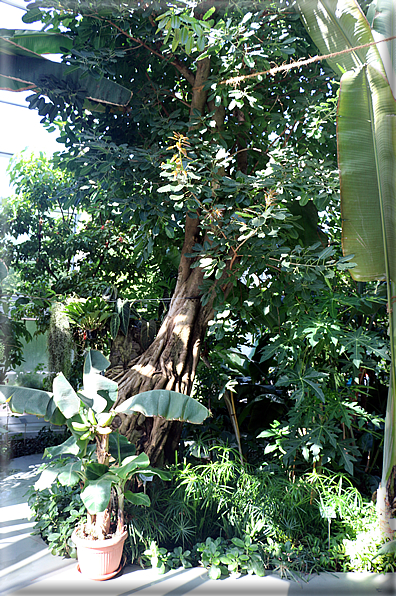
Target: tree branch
(182,68)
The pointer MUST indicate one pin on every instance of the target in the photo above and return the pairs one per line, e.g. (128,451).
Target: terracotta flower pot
(99,559)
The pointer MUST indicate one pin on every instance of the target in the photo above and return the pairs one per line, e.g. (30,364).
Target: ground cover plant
(236,519)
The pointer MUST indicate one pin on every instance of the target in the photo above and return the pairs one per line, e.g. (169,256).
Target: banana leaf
(32,43)
(97,387)
(366,157)
(336,25)
(22,67)
(167,404)
(24,400)
(384,26)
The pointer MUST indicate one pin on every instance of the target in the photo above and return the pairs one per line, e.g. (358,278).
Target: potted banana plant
(96,456)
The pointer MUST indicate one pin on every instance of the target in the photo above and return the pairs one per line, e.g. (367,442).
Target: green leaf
(114,325)
(316,389)
(96,494)
(25,67)
(176,40)
(366,133)
(386,549)
(334,29)
(208,13)
(48,477)
(95,362)
(131,464)
(246,17)
(385,25)
(163,474)
(249,61)
(346,459)
(53,414)
(189,44)
(94,470)
(167,404)
(32,43)
(32,15)
(238,542)
(70,474)
(65,398)
(68,447)
(258,568)
(22,400)
(214,572)
(201,42)
(137,498)
(119,441)
(96,384)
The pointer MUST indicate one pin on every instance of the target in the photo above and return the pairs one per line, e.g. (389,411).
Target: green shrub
(235,519)
(56,512)
(364,546)
(20,446)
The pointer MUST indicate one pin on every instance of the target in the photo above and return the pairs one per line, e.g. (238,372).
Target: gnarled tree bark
(171,360)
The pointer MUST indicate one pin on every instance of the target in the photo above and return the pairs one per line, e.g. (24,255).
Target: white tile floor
(23,557)
(28,569)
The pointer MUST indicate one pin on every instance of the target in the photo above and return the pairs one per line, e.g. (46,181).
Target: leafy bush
(361,551)
(221,502)
(19,446)
(235,519)
(162,560)
(56,512)
(225,498)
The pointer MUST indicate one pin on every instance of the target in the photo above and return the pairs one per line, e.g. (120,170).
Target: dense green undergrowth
(234,519)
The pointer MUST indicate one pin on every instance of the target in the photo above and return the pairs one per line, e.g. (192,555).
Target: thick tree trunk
(171,360)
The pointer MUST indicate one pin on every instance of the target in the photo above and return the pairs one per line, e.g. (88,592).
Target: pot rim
(87,543)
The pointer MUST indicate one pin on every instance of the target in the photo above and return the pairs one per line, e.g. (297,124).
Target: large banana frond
(384,26)
(366,135)
(336,25)
(366,155)
(23,67)
(23,42)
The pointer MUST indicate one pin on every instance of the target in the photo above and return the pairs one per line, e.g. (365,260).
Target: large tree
(195,166)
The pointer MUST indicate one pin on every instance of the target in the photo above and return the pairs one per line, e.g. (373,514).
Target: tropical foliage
(212,197)
(366,118)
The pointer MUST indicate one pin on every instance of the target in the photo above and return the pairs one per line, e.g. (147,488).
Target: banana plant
(366,137)
(96,455)
(23,66)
